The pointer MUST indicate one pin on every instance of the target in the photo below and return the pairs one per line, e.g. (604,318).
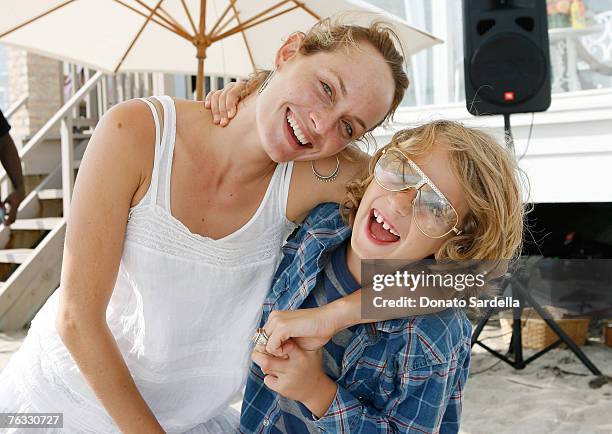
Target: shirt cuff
(344,411)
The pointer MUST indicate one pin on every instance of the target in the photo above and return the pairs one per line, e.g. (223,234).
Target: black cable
(508,133)
(488,368)
(528,137)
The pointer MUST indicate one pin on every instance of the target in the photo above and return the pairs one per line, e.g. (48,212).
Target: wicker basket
(538,335)
(607,332)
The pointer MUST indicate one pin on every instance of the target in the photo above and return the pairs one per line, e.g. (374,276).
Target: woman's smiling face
(315,105)
(403,239)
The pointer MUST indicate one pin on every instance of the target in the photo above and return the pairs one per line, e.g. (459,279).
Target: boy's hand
(299,376)
(310,328)
(224,103)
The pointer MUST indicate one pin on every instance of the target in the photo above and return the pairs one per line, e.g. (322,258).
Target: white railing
(112,89)
(12,109)
(99,92)
(64,117)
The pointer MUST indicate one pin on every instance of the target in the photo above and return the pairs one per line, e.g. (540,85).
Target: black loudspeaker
(507,59)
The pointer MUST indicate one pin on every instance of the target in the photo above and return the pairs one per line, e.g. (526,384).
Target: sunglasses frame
(424,180)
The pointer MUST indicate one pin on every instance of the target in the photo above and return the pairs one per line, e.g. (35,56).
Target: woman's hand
(224,103)
(310,329)
(298,376)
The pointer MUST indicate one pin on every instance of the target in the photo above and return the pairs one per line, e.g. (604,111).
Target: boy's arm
(313,328)
(318,325)
(421,399)
(419,402)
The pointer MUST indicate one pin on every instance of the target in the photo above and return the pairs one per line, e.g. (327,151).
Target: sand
(551,395)
(9,343)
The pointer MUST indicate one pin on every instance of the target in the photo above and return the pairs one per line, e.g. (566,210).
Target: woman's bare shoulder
(126,134)
(132,120)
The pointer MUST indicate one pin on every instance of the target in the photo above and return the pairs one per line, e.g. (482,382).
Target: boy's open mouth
(380,230)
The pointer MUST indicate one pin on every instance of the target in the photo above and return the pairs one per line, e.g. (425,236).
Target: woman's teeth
(385,225)
(296,130)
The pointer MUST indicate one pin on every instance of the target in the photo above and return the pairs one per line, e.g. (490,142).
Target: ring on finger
(260,337)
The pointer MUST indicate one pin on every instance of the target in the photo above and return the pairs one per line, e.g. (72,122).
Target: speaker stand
(521,294)
(516,342)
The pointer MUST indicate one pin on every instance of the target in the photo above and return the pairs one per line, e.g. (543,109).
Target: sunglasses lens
(433,214)
(394,173)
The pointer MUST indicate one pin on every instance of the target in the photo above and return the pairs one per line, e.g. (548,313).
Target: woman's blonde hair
(488,174)
(329,35)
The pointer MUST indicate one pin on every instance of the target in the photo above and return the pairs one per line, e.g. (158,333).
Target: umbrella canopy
(234,37)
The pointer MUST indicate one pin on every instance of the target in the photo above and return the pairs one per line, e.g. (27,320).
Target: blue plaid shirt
(397,376)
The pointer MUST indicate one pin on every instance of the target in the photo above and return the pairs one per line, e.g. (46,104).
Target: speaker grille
(508,58)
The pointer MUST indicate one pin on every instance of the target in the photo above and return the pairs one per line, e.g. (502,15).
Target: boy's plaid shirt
(397,376)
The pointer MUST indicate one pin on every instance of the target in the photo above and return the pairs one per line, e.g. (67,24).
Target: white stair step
(51,193)
(81,136)
(15,256)
(42,224)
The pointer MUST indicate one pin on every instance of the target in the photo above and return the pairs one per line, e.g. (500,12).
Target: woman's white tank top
(183,309)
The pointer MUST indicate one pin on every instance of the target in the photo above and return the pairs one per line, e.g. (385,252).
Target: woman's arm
(111,176)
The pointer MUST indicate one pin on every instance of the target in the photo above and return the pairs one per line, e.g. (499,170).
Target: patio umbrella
(235,37)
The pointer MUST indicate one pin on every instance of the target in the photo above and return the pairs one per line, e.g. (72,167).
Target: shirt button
(266,422)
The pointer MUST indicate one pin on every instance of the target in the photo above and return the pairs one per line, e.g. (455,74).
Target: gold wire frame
(423,181)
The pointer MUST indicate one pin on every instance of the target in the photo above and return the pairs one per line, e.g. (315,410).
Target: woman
(176,229)
(439,189)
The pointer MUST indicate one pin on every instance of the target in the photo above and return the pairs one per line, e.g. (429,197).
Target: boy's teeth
(384,224)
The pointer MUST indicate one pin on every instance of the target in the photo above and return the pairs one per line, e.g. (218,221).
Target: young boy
(405,375)
(393,376)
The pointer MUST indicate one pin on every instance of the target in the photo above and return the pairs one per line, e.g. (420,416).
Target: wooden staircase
(31,249)
(31,260)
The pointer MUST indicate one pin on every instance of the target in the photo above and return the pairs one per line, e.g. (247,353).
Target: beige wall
(41,79)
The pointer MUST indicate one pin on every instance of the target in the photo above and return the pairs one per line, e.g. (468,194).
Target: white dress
(183,310)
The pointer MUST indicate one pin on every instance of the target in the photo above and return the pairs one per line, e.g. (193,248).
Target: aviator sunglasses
(432,212)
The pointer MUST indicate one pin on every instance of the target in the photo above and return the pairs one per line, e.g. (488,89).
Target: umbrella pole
(200,78)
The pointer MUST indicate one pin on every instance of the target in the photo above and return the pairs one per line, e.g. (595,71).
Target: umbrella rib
(138,35)
(226,23)
(19,26)
(152,19)
(227,9)
(195,32)
(307,9)
(251,24)
(202,17)
(171,18)
(178,30)
(253,18)
(246,42)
